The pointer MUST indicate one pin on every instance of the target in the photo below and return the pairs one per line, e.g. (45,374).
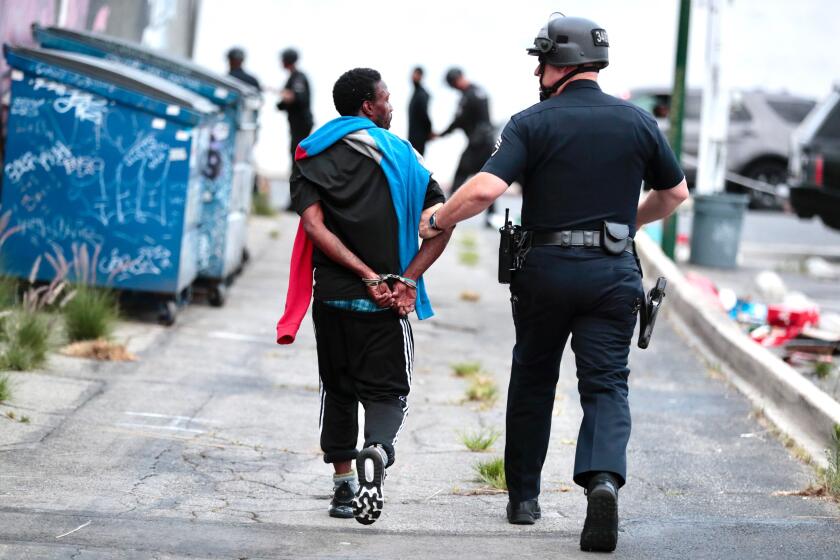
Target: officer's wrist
(434,223)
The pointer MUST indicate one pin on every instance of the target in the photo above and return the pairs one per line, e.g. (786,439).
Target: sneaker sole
(369,499)
(599,533)
(341,514)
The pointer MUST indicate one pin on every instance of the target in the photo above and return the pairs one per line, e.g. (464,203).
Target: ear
(367,108)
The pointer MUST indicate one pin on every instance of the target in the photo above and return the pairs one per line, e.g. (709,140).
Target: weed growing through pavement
(481,439)
(466,369)
(274,234)
(831,475)
(822,369)
(90,314)
(482,389)
(5,388)
(261,206)
(11,415)
(24,419)
(468,258)
(492,473)
(27,337)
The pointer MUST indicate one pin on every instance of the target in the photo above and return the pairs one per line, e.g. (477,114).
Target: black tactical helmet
(452,76)
(289,56)
(571,41)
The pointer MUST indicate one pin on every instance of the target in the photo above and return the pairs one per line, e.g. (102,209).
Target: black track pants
(367,358)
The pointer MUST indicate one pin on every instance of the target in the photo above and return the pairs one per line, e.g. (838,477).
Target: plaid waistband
(363,305)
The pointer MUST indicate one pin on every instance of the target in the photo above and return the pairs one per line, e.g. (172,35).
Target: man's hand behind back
(405,299)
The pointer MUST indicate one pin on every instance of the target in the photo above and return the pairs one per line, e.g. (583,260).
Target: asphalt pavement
(207,447)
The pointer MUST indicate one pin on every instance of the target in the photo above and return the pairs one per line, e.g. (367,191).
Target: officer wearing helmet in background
(295,100)
(583,156)
(473,117)
(236,59)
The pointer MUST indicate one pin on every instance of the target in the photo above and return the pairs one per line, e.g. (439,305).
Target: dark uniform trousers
(367,358)
(590,295)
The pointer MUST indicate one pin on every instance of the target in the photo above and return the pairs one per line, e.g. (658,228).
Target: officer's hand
(381,295)
(405,299)
(426,232)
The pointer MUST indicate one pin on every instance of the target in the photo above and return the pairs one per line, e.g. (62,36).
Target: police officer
(236,59)
(582,156)
(473,117)
(295,100)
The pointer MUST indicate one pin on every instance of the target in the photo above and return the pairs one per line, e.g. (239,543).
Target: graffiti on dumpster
(25,107)
(148,149)
(86,106)
(150,260)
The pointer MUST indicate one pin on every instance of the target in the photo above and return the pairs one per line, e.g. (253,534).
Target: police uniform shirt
(300,116)
(581,157)
(473,116)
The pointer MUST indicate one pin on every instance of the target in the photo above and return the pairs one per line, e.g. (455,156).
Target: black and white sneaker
(341,505)
(367,505)
(600,530)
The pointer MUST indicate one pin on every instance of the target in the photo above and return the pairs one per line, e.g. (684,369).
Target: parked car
(760,125)
(815,163)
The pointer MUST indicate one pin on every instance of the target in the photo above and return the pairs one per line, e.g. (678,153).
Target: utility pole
(714,119)
(669,226)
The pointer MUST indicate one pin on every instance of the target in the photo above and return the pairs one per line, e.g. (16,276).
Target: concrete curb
(788,399)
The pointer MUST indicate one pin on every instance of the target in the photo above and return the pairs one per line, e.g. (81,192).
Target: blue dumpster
(227,181)
(103,160)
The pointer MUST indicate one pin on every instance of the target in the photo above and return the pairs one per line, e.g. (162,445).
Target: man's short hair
(236,53)
(419,70)
(353,88)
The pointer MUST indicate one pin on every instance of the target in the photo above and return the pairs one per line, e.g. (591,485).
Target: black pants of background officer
(590,295)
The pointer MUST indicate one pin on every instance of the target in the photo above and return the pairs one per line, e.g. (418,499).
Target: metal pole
(711,164)
(669,226)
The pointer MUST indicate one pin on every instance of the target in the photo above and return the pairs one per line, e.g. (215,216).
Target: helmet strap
(546,92)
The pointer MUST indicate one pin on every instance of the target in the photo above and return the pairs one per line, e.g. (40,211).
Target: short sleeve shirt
(356,200)
(582,157)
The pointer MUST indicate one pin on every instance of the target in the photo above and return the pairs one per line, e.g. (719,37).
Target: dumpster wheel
(217,294)
(167,312)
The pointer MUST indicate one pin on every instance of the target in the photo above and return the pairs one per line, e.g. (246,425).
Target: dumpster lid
(119,75)
(172,63)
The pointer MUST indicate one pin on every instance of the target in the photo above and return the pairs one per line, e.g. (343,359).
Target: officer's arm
(336,251)
(660,203)
(471,199)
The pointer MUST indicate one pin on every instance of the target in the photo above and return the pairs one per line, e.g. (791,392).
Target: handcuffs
(385,277)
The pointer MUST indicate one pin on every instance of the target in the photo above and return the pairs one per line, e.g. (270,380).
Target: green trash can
(716,233)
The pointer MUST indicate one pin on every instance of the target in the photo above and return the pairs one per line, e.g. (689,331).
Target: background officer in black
(473,117)
(419,123)
(295,100)
(583,156)
(236,58)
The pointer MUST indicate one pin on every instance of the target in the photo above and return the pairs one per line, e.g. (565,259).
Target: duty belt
(574,238)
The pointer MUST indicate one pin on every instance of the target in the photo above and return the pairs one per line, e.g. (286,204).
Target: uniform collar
(582,84)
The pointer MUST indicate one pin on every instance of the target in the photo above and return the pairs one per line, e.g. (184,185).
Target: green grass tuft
(28,339)
(468,258)
(480,440)
(482,389)
(8,292)
(468,241)
(5,388)
(466,369)
(492,473)
(261,206)
(90,314)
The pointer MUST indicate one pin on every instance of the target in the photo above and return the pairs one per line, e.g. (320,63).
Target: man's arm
(429,252)
(336,251)
(471,199)
(661,203)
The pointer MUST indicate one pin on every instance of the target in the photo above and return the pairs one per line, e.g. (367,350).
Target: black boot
(523,513)
(600,530)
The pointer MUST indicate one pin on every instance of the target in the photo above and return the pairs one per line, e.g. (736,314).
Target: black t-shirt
(581,157)
(473,117)
(356,201)
(419,124)
(244,76)
(299,113)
